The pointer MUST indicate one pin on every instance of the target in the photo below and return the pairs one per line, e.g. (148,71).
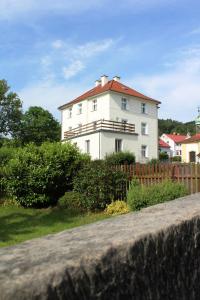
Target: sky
(53,51)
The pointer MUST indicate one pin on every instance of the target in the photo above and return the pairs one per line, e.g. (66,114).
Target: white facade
(116,107)
(175,148)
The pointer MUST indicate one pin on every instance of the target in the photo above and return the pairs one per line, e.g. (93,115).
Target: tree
(38,125)
(10,111)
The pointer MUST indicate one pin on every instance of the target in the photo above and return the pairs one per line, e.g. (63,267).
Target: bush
(71,201)
(99,184)
(120,158)
(163,156)
(117,208)
(38,176)
(176,158)
(140,196)
(9,203)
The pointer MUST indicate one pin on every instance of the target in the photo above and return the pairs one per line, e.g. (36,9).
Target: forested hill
(171,126)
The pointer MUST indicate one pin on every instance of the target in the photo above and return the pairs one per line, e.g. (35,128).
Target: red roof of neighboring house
(111,85)
(177,138)
(192,139)
(163,144)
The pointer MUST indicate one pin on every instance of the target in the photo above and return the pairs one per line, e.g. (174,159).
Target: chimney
(116,78)
(104,80)
(97,82)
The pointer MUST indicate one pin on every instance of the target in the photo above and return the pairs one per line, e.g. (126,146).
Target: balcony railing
(100,125)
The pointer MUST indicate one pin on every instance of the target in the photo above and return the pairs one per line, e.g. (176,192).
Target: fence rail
(188,174)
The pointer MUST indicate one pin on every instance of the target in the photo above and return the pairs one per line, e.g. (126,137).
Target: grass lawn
(18,224)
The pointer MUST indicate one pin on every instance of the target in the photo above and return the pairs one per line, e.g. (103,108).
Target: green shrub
(9,203)
(120,158)
(38,175)
(176,158)
(140,196)
(117,208)
(70,200)
(99,184)
(163,156)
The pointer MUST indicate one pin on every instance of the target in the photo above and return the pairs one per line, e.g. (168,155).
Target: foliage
(38,125)
(140,196)
(153,161)
(176,158)
(170,126)
(117,208)
(98,184)
(70,200)
(9,203)
(120,158)
(163,156)
(10,111)
(38,175)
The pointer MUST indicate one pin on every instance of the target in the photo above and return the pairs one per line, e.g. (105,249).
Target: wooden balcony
(105,125)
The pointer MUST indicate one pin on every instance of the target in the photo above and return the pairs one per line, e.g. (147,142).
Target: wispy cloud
(195,31)
(72,69)
(177,86)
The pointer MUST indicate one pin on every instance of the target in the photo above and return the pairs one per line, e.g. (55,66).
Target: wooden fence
(188,174)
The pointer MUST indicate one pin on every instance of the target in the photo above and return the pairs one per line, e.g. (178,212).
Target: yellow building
(191,149)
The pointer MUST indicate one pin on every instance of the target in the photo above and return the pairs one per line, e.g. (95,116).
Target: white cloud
(178,87)
(195,31)
(75,67)
(57,44)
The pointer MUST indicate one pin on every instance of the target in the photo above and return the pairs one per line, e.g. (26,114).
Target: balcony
(100,125)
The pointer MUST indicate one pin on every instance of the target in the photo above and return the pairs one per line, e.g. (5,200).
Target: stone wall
(150,255)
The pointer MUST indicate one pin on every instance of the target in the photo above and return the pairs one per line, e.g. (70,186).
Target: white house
(164,147)
(112,117)
(174,141)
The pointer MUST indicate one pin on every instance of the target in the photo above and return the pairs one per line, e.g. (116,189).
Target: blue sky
(52,51)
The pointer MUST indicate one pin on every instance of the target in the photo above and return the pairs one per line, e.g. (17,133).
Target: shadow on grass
(18,224)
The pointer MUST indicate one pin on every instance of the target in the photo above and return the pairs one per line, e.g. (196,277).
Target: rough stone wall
(150,255)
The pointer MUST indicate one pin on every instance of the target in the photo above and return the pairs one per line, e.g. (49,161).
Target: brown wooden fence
(188,174)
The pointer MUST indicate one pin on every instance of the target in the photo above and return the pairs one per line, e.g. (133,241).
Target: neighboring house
(164,147)
(112,117)
(191,149)
(173,140)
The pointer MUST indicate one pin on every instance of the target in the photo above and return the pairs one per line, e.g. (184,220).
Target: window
(143,108)
(124,104)
(70,128)
(94,105)
(70,112)
(144,129)
(144,153)
(124,122)
(79,108)
(80,127)
(118,145)
(87,146)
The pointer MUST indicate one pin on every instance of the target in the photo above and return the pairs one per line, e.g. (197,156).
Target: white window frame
(143,108)
(87,146)
(124,103)
(144,151)
(70,113)
(144,128)
(80,108)
(94,105)
(118,145)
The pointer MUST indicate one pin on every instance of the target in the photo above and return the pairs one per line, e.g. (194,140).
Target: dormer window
(143,108)
(79,108)
(124,103)
(70,112)
(94,105)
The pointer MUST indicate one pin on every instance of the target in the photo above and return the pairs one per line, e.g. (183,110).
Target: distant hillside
(170,126)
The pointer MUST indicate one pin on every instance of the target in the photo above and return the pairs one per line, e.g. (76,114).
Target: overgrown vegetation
(38,176)
(120,158)
(140,196)
(117,207)
(98,184)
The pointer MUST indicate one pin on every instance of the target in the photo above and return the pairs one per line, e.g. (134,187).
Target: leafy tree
(38,125)
(10,111)
(170,126)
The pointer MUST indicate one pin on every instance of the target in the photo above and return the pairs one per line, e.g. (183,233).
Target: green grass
(19,224)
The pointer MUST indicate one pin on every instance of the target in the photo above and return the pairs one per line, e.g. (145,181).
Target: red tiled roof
(111,85)
(177,138)
(192,139)
(163,144)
